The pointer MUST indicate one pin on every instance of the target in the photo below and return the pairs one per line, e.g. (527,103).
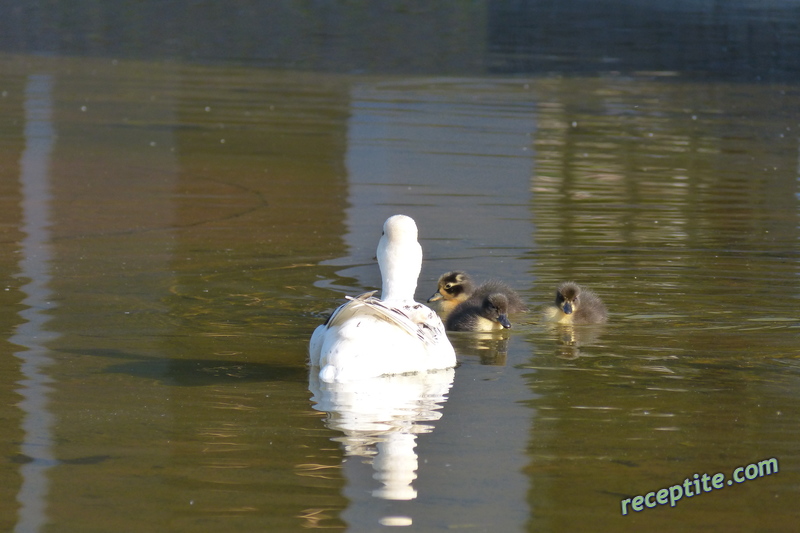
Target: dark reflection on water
(738,39)
(205,220)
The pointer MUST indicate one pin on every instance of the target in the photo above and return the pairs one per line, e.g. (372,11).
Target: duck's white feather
(368,337)
(367,304)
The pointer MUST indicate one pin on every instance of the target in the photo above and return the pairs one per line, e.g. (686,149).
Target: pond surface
(172,234)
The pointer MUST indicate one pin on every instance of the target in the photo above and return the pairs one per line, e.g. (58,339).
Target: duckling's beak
(503,319)
(436,297)
(567,308)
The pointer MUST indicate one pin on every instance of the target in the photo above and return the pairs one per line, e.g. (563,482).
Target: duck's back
(368,338)
(364,347)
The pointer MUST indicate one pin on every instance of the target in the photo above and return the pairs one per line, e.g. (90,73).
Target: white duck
(369,337)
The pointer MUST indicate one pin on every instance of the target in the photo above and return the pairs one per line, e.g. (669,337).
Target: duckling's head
(455,286)
(399,257)
(495,308)
(568,297)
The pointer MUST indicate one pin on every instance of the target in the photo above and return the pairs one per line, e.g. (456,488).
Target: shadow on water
(194,372)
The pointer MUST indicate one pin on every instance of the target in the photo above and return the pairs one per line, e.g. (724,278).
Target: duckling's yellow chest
(484,324)
(444,307)
(554,314)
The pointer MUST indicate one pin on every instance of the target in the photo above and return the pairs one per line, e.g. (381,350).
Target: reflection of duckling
(572,340)
(457,287)
(576,305)
(487,346)
(489,314)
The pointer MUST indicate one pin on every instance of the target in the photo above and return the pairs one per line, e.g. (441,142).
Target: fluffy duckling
(455,288)
(576,305)
(452,289)
(487,314)
(370,337)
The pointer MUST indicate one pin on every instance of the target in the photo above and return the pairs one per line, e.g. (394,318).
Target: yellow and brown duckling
(487,314)
(455,288)
(576,305)
(452,289)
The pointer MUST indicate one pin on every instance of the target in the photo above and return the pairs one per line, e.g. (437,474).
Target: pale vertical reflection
(453,155)
(34,266)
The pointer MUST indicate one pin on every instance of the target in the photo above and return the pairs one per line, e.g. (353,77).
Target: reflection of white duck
(369,337)
(380,418)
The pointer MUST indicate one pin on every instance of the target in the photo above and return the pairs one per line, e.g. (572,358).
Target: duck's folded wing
(385,312)
(346,311)
(430,333)
(367,305)
(418,320)
(427,329)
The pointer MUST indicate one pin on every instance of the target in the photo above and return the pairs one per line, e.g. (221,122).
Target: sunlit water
(204,220)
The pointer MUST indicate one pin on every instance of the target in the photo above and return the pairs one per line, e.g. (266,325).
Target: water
(172,234)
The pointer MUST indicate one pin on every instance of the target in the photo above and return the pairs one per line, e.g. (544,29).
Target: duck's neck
(400,265)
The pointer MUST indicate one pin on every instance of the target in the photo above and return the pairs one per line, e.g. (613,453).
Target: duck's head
(568,297)
(399,257)
(454,287)
(495,308)
(400,228)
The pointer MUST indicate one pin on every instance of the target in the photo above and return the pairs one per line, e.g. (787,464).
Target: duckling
(457,287)
(487,314)
(370,337)
(494,286)
(576,305)
(453,288)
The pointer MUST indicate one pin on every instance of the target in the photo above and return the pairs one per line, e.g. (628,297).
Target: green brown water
(172,234)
